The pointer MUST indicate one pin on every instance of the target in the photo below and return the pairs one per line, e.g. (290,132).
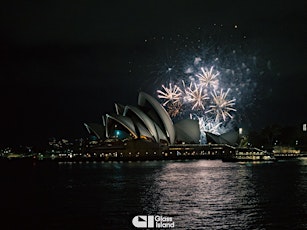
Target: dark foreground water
(198,194)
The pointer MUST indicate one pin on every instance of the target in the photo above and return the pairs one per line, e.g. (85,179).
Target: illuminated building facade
(149,121)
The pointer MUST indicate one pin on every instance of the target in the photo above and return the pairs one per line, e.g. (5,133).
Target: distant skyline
(65,63)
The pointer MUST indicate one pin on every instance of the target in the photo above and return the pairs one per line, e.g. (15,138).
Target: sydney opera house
(148,129)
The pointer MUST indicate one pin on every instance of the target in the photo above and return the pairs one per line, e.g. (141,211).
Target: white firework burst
(196,95)
(210,126)
(221,107)
(208,78)
(207,124)
(170,94)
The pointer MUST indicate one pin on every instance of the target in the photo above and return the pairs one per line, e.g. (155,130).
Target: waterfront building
(147,129)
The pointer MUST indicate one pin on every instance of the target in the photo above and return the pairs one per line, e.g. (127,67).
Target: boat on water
(249,154)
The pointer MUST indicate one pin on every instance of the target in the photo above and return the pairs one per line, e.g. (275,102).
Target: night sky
(64,63)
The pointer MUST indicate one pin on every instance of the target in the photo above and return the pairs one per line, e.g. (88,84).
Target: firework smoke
(211,111)
(213,80)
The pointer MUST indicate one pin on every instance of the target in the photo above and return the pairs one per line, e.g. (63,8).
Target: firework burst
(207,78)
(170,94)
(213,113)
(196,95)
(207,124)
(221,107)
(174,109)
(198,70)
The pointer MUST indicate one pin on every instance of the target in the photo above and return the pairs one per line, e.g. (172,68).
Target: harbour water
(197,194)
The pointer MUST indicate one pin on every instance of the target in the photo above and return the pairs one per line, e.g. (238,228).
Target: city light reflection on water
(206,194)
(198,194)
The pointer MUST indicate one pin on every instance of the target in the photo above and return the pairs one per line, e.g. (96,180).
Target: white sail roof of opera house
(124,121)
(187,130)
(158,114)
(119,109)
(143,131)
(149,120)
(97,129)
(226,138)
(144,119)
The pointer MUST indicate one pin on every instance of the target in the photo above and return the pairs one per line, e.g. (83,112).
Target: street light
(240,131)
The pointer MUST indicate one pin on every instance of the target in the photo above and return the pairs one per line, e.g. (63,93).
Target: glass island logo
(143,221)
